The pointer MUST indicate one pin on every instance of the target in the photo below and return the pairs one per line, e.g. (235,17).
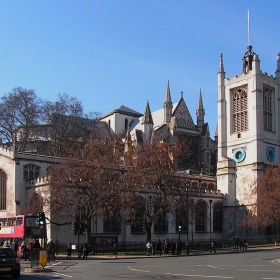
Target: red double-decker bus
(23,227)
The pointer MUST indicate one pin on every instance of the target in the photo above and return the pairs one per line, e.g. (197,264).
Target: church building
(248,136)
(172,120)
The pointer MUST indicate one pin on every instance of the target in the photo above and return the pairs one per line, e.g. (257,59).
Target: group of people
(164,247)
(241,244)
(24,247)
(84,251)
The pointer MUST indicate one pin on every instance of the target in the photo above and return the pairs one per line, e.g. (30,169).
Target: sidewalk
(197,253)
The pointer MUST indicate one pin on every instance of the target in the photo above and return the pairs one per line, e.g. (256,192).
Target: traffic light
(179,225)
(41,219)
(75,227)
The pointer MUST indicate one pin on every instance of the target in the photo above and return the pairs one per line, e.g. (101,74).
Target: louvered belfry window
(240,109)
(267,109)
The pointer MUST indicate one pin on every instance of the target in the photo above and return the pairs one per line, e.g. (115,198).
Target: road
(263,265)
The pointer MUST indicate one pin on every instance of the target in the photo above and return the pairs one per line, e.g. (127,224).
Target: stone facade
(248,136)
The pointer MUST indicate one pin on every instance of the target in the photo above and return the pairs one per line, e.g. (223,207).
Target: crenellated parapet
(7,151)
(38,182)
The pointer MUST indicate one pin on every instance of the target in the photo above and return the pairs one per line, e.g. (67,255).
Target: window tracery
(31,171)
(267,109)
(240,109)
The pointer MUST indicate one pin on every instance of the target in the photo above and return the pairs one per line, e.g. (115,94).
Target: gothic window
(212,187)
(217,217)
(240,109)
(201,217)
(3,189)
(160,224)
(31,171)
(138,221)
(267,109)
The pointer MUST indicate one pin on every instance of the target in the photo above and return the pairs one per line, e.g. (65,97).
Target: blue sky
(109,53)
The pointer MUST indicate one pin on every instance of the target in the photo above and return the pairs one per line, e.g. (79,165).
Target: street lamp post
(210,219)
(187,242)
(246,212)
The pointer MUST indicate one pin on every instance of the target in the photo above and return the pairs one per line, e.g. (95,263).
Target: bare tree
(266,211)
(19,109)
(152,187)
(67,126)
(86,184)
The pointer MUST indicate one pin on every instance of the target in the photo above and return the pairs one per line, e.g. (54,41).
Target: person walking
(154,247)
(159,247)
(85,251)
(14,245)
(69,249)
(23,250)
(213,246)
(173,247)
(236,243)
(149,248)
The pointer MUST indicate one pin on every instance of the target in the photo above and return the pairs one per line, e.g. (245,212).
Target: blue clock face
(270,154)
(239,155)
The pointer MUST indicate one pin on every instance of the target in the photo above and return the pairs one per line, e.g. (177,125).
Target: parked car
(9,263)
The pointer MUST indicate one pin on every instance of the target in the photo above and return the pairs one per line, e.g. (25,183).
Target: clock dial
(270,154)
(239,155)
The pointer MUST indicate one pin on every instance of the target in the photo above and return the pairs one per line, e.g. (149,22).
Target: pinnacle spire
(221,67)
(168,96)
(147,117)
(200,109)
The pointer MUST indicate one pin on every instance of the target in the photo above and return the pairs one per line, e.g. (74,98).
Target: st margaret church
(246,140)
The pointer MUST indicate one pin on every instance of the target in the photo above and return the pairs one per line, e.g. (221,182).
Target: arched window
(31,171)
(138,219)
(201,217)
(3,190)
(217,217)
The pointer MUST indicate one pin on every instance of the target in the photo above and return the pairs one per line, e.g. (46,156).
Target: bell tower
(248,135)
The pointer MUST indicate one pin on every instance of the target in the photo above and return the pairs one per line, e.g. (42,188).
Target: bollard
(275,243)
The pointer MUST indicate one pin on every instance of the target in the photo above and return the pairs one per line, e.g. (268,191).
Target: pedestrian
(37,245)
(173,247)
(14,245)
(241,243)
(236,243)
(165,247)
(85,251)
(23,250)
(154,247)
(245,244)
(159,247)
(6,243)
(80,252)
(149,248)
(69,249)
(178,247)
(213,246)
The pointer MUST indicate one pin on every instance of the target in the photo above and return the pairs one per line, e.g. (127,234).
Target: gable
(183,116)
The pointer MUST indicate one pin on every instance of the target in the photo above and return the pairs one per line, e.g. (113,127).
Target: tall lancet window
(267,109)
(240,109)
